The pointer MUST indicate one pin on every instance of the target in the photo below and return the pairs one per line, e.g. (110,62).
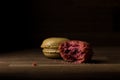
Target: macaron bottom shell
(53,55)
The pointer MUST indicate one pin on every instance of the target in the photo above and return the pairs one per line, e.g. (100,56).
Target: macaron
(50,46)
(76,51)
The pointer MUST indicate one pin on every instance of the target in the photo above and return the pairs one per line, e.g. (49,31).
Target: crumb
(34,64)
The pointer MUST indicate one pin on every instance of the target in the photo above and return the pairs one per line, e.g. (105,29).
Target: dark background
(25,24)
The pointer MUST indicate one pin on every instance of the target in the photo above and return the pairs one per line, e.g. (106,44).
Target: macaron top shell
(53,42)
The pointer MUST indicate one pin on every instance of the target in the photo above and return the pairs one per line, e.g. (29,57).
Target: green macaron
(50,46)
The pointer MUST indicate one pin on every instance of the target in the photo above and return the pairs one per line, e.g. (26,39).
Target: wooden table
(32,64)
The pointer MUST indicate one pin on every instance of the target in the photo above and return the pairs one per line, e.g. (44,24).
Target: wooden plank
(19,65)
